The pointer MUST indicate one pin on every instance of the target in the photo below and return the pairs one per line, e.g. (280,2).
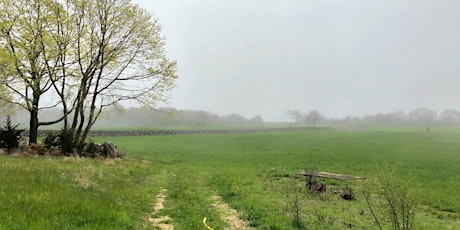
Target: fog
(339,57)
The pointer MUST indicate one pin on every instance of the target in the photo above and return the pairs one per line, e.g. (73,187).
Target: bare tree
(295,115)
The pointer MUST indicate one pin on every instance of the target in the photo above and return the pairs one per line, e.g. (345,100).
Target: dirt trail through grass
(162,221)
(229,215)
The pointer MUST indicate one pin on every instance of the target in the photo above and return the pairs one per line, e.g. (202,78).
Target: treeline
(172,116)
(137,117)
(419,116)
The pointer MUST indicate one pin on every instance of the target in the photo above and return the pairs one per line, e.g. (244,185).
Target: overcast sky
(353,57)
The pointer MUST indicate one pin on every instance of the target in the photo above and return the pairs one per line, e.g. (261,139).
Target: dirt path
(230,215)
(161,222)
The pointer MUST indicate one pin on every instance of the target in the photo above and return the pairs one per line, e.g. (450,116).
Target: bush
(67,144)
(10,136)
(35,149)
(52,140)
(64,141)
(63,144)
(395,203)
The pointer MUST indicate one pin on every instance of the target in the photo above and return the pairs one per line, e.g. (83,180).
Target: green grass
(252,172)
(235,165)
(70,193)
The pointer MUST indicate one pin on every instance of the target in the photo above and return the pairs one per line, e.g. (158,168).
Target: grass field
(253,173)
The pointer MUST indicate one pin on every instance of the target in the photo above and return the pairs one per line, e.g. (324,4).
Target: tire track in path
(229,215)
(161,222)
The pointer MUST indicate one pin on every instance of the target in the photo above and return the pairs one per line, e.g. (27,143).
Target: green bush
(66,139)
(10,135)
(52,140)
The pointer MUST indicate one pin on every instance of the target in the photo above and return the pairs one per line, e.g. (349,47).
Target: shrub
(36,149)
(395,203)
(67,144)
(64,141)
(52,140)
(294,200)
(10,135)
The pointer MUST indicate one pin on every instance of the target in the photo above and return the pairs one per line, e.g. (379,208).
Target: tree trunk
(33,126)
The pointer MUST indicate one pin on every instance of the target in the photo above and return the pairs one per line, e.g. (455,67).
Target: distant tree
(234,119)
(422,116)
(257,119)
(450,117)
(386,118)
(313,117)
(295,115)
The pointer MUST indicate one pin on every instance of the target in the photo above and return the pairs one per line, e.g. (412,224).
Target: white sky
(352,57)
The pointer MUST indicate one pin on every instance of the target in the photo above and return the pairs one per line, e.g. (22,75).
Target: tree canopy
(81,55)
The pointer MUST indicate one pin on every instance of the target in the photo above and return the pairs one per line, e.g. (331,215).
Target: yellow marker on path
(207,226)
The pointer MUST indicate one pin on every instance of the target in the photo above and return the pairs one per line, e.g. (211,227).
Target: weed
(294,200)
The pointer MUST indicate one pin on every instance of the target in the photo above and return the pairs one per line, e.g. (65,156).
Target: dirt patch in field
(161,222)
(229,215)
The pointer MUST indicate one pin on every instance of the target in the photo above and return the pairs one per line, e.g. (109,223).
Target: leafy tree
(27,30)
(87,54)
(120,56)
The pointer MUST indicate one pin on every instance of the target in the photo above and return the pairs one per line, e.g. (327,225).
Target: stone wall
(96,133)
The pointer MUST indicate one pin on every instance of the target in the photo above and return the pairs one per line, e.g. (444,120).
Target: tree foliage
(86,55)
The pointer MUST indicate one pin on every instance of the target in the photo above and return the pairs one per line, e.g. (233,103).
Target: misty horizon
(351,58)
(167,116)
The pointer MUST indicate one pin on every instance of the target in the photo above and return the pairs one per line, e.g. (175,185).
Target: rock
(105,150)
(110,149)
